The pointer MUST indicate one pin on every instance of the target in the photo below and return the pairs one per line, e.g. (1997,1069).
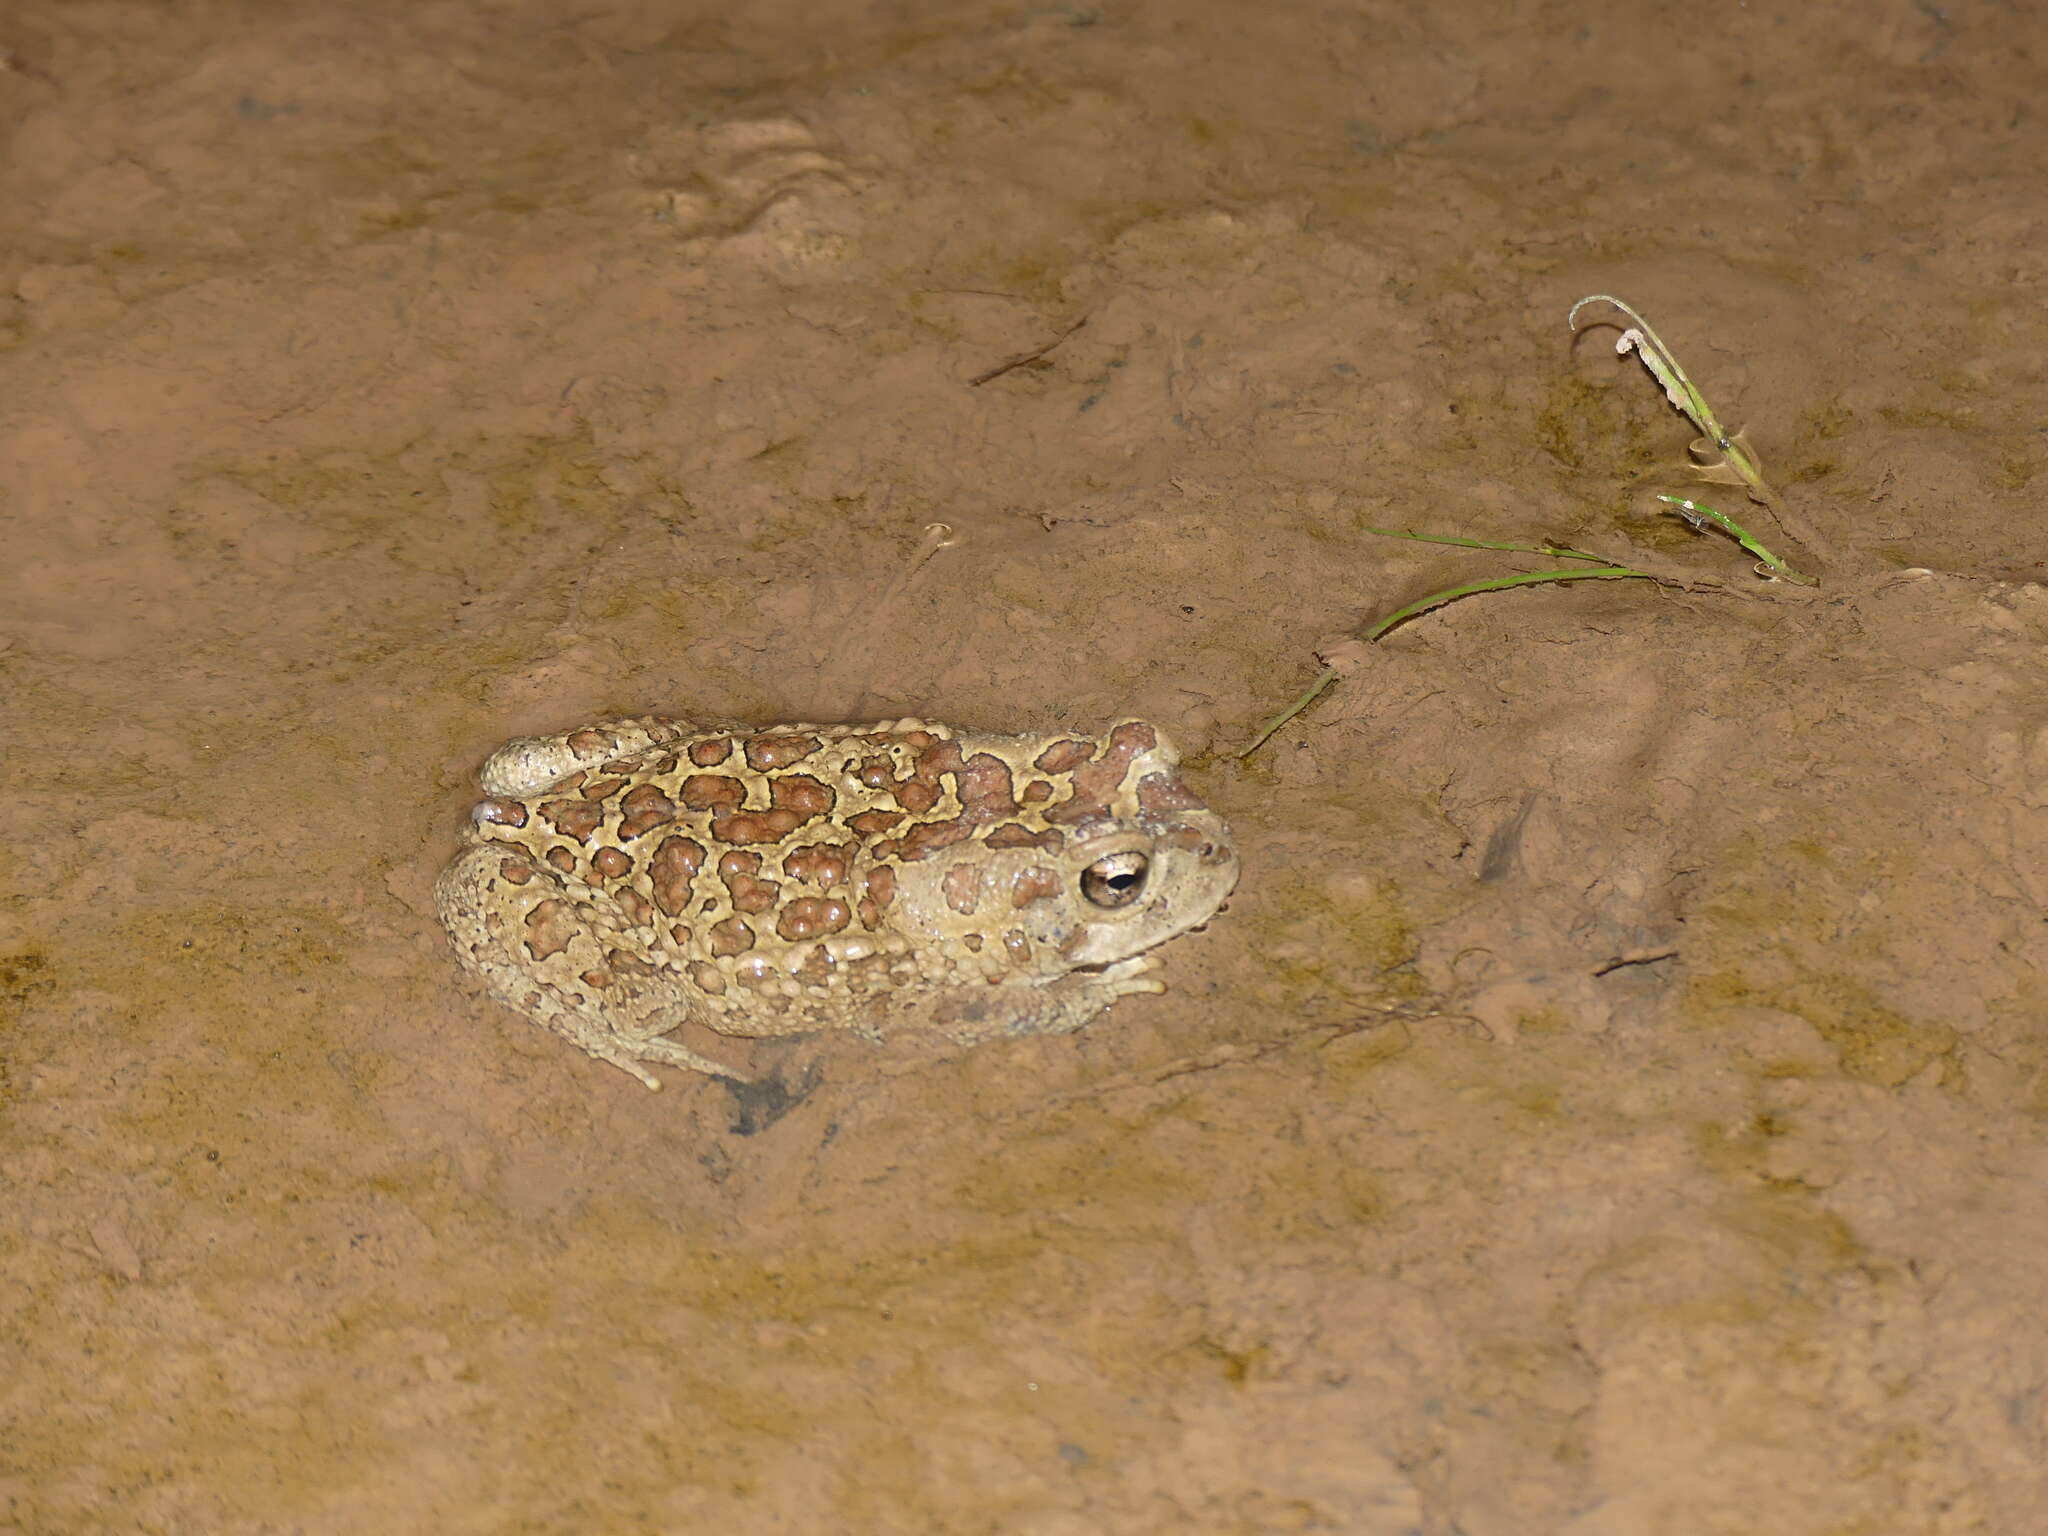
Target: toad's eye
(1116,880)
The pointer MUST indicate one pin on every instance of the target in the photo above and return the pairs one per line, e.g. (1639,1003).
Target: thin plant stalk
(1501,584)
(1519,549)
(1738,464)
(1737,457)
(1401,615)
(1315,691)
(1699,514)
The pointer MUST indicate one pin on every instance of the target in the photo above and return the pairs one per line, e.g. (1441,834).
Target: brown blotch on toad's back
(550,928)
(792,801)
(713,792)
(982,784)
(878,889)
(985,789)
(750,894)
(1062,755)
(810,917)
(1096,782)
(962,887)
(820,864)
(1018,836)
(1162,793)
(731,937)
(925,839)
(768,753)
(673,871)
(574,819)
(921,790)
(644,808)
(1034,884)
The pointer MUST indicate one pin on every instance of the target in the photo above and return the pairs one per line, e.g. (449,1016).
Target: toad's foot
(627,1056)
(1126,978)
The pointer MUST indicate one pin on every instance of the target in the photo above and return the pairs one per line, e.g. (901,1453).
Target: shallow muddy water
(1615,1100)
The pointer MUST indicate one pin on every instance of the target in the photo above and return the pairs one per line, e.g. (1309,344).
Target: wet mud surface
(1615,1101)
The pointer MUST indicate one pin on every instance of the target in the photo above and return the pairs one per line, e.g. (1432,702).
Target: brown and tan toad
(621,879)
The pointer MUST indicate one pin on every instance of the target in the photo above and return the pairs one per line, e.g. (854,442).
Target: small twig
(873,611)
(1025,358)
(937,536)
(1635,957)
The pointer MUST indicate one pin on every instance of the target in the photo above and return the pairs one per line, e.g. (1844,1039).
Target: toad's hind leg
(543,954)
(531,763)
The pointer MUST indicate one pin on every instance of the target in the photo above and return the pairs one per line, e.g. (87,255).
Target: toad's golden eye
(1116,880)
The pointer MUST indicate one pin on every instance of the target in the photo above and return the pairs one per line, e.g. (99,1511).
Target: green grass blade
(1694,511)
(1554,550)
(1328,675)
(1500,584)
(1664,367)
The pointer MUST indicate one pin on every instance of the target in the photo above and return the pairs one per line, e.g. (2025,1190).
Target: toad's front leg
(1121,978)
(971,1014)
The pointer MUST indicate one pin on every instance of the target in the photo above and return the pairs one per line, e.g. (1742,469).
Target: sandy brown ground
(383,380)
